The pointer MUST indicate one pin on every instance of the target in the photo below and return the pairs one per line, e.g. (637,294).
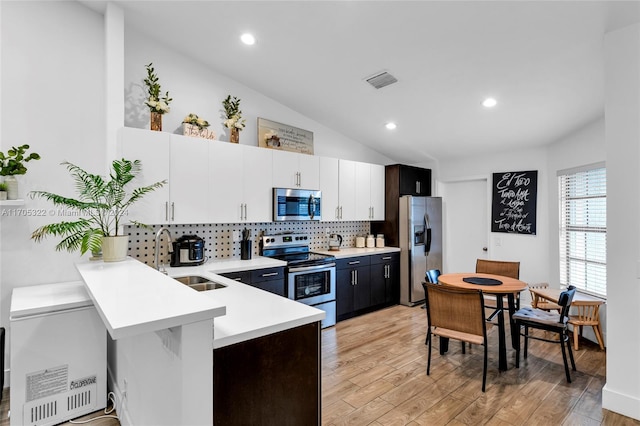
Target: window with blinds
(583,228)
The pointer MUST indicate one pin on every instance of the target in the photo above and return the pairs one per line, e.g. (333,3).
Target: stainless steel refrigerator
(420,228)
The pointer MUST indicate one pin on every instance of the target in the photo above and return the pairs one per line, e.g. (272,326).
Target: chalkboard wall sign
(513,208)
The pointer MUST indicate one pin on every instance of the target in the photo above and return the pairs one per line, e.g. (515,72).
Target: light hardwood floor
(374,373)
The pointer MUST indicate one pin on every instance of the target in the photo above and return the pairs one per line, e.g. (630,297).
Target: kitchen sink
(199,283)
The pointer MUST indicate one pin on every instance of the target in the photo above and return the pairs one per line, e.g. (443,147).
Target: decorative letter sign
(513,208)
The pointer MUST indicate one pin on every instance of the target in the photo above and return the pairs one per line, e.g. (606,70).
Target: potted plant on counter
(99,210)
(12,164)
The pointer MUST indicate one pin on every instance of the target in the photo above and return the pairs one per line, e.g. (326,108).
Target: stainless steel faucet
(157,254)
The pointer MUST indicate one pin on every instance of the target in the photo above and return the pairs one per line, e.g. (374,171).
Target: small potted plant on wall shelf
(99,210)
(192,125)
(13,163)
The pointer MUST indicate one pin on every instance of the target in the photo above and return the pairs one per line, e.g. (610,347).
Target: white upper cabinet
(377,191)
(180,160)
(189,180)
(351,190)
(153,150)
(295,170)
(258,191)
(347,190)
(238,191)
(330,208)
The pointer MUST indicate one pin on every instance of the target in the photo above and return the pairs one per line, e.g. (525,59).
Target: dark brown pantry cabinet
(400,180)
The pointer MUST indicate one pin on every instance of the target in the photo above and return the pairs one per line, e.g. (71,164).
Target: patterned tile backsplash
(219,242)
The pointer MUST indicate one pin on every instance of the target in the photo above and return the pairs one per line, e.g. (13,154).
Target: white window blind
(583,229)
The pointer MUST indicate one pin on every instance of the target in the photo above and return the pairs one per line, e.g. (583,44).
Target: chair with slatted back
(589,315)
(455,313)
(533,318)
(541,303)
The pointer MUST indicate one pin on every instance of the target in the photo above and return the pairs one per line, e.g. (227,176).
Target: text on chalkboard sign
(513,208)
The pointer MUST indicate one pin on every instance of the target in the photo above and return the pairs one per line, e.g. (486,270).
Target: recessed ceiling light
(248,39)
(489,103)
(390,126)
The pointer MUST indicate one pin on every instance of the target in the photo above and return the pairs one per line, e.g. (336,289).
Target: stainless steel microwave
(296,204)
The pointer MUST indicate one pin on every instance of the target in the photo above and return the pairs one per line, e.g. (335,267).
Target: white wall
(530,250)
(201,90)
(53,100)
(622,111)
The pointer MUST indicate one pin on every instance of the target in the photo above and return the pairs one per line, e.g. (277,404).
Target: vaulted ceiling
(541,60)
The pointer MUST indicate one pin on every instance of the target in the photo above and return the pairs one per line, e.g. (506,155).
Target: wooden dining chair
(458,314)
(528,318)
(588,315)
(542,303)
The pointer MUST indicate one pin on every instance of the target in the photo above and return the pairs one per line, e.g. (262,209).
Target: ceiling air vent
(382,79)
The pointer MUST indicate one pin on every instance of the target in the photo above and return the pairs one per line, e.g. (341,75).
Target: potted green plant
(158,104)
(3,191)
(233,118)
(13,163)
(99,208)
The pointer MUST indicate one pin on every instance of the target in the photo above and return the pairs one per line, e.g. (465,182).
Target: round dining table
(498,286)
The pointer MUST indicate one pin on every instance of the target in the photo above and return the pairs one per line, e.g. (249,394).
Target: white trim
(626,405)
(585,168)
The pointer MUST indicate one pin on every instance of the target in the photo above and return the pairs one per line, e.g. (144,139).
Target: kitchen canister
(371,242)
(359,241)
(380,240)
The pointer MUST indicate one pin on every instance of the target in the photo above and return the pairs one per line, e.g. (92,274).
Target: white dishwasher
(58,354)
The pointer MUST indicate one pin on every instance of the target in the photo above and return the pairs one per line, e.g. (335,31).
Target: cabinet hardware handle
(340,212)
(270,274)
(356,273)
(352,277)
(237,279)
(173,211)
(245,212)
(354,262)
(386,271)
(386,258)
(166,210)
(337,210)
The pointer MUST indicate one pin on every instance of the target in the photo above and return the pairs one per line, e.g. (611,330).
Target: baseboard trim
(121,402)
(620,403)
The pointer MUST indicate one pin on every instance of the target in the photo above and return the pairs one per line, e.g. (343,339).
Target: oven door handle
(312,268)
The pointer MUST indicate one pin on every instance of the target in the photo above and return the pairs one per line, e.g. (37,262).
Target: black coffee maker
(188,250)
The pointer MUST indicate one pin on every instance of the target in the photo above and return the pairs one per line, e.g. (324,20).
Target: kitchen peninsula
(265,347)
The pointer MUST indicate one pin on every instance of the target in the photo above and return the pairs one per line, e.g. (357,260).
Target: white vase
(114,249)
(12,187)
(3,195)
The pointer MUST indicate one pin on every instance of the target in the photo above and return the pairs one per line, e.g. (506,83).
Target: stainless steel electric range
(311,277)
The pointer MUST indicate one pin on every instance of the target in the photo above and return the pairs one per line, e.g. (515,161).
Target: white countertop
(48,298)
(353,251)
(133,298)
(251,312)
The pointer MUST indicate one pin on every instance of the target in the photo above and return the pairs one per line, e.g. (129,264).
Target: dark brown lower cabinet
(271,380)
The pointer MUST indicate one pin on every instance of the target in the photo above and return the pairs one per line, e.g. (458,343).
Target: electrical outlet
(498,242)
(327,231)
